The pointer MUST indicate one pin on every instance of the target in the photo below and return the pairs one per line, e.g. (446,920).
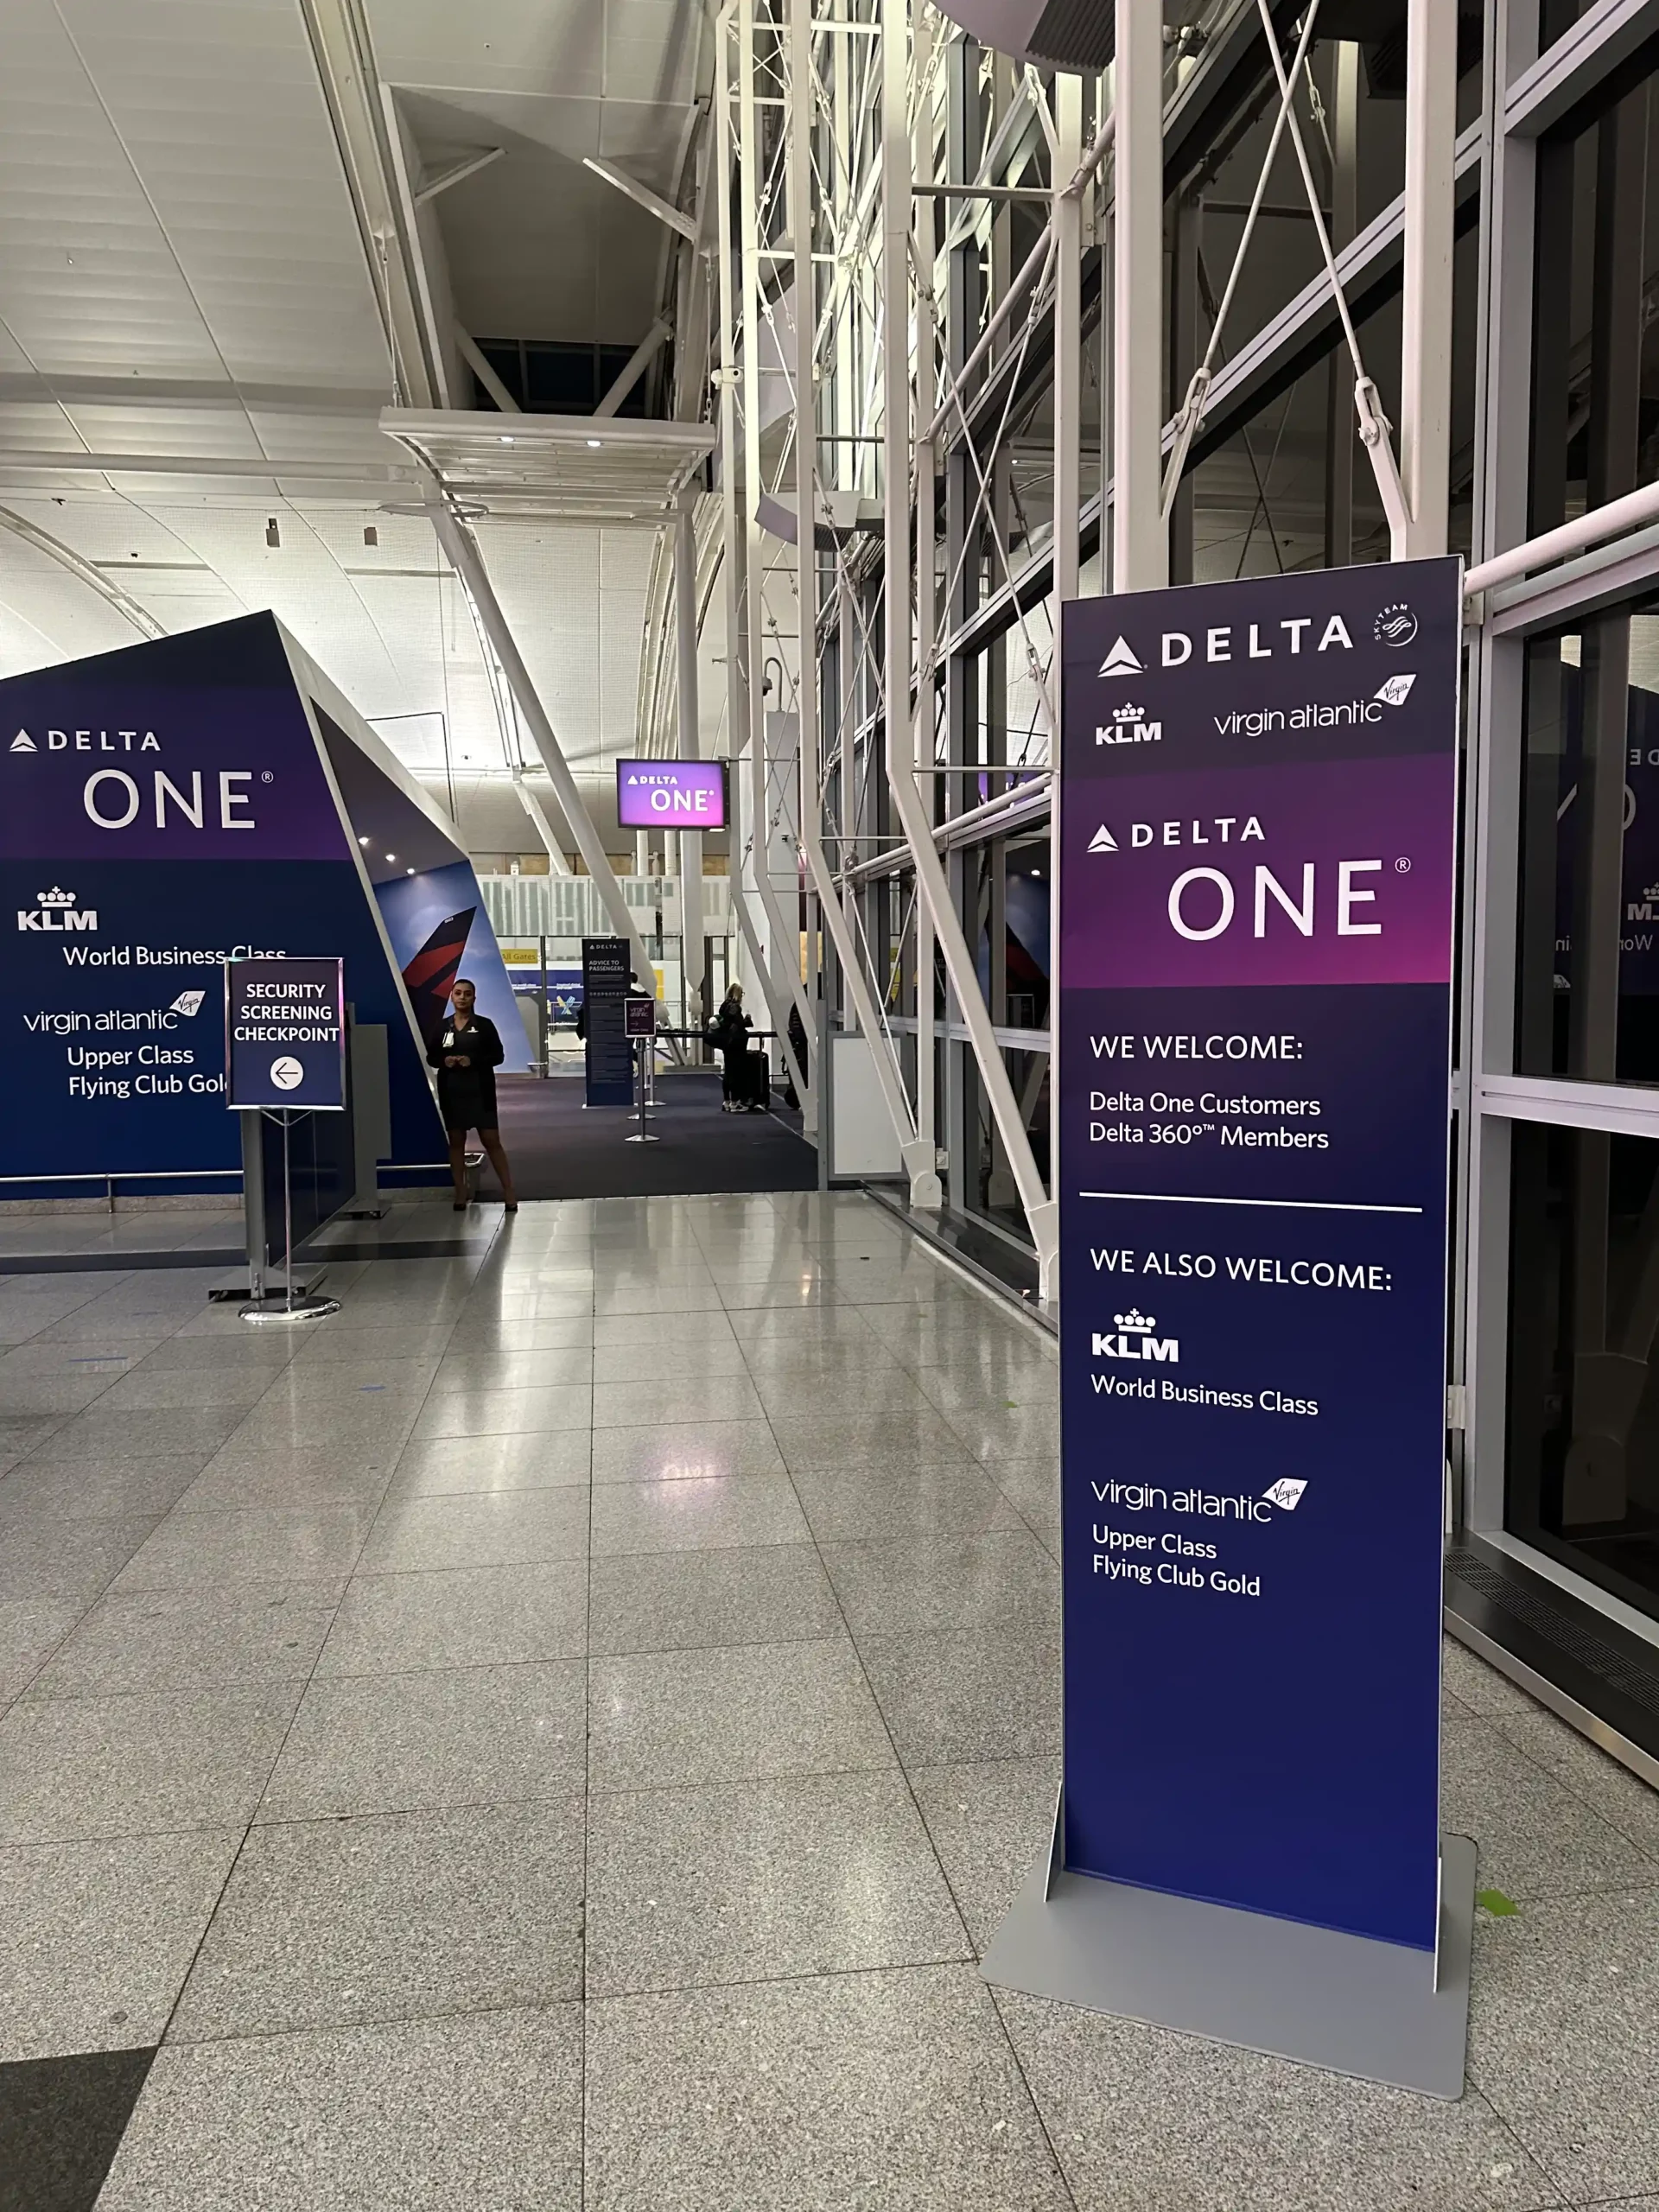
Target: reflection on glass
(1589,954)
(1584,1377)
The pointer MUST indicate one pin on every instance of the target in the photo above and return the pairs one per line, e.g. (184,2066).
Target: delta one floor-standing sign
(1258,791)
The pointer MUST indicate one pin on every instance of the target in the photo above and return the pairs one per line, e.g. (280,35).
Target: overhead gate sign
(1258,804)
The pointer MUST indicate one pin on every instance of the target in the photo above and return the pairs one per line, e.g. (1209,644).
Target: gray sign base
(1311,1994)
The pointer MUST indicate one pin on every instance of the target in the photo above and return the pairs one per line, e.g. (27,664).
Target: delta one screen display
(670,794)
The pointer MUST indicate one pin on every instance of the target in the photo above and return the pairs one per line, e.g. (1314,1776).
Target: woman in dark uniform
(465,1050)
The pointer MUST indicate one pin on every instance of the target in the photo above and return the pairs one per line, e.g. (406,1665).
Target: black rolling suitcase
(757,1080)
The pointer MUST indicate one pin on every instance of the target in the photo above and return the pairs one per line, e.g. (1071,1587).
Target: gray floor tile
(328,1346)
(478,1529)
(845,1504)
(377,1427)
(22,1433)
(194,1639)
(1536,1839)
(990,1823)
(633,1363)
(475,1372)
(393,1917)
(85,1767)
(528,1333)
(331,1381)
(909,1584)
(679,1452)
(690,1600)
(561,1407)
(1033,1486)
(96,1938)
(1564,2036)
(30,1630)
(249,1476)
(686,1398)
(43,1557)
(535,1459)
(403,1742)
(810,1874)
(459,1617)
(149,1388)
(479,2113)
(877,1439)
(106,1363)
(99,1490)
(1611,1790)
(1008,1432)
(1479,1687)
(23,1396)
(192,1551)
(648,1335)
(110,1433)
(892,2088)
(967,1694)
(663,1719)
(254,1348)
(804,1398)
(1145,2121)
(720,1513)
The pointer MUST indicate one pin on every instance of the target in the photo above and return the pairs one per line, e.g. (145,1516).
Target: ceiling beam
(445,178)
(643,196)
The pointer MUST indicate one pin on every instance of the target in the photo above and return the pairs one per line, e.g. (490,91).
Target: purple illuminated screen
(670,794)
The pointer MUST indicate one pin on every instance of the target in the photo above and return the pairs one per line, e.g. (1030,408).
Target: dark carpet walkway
(560,1151)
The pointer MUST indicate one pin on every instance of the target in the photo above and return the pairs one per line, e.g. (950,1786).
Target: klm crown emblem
(54,897)
(1134,1319)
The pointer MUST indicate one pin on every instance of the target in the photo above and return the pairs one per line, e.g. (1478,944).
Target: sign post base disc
(275,1309)
(1311,1994)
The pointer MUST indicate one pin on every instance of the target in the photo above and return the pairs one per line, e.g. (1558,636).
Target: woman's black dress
(467,1095)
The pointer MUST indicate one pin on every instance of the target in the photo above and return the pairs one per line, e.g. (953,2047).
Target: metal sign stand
(643,1134)
(283,1307)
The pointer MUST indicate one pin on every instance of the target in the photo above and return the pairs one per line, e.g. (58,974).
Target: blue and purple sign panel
(670,794)
(164,809)
(285,1035)
(1258,811)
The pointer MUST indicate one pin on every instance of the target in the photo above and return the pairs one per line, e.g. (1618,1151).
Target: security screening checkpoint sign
(285,1035)
(1258,811)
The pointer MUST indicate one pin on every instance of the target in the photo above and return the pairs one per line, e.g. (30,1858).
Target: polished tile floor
(560,1734)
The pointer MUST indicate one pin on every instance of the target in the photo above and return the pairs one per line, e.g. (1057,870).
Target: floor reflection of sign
(285,1034)
(1258,785)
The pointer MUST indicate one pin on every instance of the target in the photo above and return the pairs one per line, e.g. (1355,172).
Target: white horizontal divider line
(1316,1206)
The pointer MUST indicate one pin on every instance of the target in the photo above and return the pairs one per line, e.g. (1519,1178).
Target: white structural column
(917,1158)
(778,961)
(1140,535)
(933,887)
(692,951)
(1426,300)
(1068,475)
(924,212)
(468,564)
(556,864)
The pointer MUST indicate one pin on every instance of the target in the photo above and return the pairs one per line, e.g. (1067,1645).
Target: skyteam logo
(1121,661)
(1396,625)
(1129,726)
(56,911)
(1134,1340)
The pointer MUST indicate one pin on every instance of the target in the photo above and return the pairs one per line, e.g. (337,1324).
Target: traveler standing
(728,1033)
(465,1050)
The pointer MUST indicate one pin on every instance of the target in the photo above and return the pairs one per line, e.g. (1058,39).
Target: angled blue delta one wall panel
(163,808)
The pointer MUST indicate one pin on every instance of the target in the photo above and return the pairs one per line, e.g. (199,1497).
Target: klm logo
(1642,909)
(57,911)
(1129,726)
(1134,1340)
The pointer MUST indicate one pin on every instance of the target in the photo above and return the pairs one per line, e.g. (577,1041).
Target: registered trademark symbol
(267,777)
(1402,867)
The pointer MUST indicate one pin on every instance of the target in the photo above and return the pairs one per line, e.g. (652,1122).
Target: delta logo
(1129,726)
(57,913)
(88,740)
(1134,1340)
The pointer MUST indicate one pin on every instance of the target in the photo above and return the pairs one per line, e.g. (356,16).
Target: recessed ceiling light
(362,840)
(391,856)
(409,871)
(595,443)
(506,442)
